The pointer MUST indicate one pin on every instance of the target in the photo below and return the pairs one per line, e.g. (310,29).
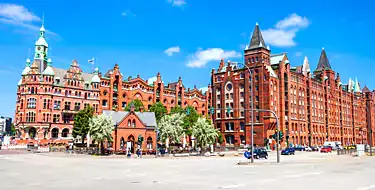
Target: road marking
(302,175)
(268,180)
(367,188)
(230,186)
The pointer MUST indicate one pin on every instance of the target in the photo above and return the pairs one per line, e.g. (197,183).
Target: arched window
(32,90)
(133,125)
(149,143)
(55,133)
(65,132)
(32,133)
(129,123)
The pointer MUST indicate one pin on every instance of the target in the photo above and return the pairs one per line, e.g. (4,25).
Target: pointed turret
(95,78)
(305,66)
(350,85)
(323,63)
(365,89)
(27,67)
(256,39)
(49,70)
(356,86)
(34,68)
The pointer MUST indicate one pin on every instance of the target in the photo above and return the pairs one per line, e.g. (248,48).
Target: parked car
(326,149)
(258,153)
(288,151)
(299,148)
(349,147)
(314,148)
(309,149)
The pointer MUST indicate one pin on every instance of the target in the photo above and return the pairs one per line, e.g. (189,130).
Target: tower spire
(257,38)
(323,63)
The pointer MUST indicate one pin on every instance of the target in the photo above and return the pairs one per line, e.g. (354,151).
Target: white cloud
(298,54)
(200,58)
(284,32)
(293,20)
(128,13)
(17,12)
(177,3)
(172,50)
(18,15)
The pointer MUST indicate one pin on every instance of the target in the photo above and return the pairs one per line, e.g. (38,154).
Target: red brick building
(131,125)
(49,97)
(312,107)
(117,92)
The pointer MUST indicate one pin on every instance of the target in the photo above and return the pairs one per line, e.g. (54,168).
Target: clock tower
(41,49)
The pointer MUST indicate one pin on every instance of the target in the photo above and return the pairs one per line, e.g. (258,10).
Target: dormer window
(87,85)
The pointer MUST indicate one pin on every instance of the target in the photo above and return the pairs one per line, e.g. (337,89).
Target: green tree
(81,122)
(171,128)
(204,132)
(100,129)
(220,138)
(177,109)
(138,105)
(159,110)
(12,130)
(190,119)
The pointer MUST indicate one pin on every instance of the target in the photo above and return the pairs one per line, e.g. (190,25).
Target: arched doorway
(65,133)
(122,143)
(130,143)
(32,133)
(55,133)
(149,143)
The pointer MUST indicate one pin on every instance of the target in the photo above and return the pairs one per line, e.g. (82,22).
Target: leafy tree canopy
(12,130)
(177,109)
(137,105)
(190,119)
(204,132)
(159,110)
(81,122)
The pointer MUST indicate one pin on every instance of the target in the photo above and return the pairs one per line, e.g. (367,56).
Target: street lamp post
(252,111)
(116,126)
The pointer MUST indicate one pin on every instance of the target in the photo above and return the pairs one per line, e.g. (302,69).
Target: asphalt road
(306,171)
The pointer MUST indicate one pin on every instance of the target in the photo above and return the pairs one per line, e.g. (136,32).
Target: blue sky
(136,34)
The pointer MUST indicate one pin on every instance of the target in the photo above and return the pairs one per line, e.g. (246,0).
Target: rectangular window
(56,105)
(218,115)
(242,94)
(104,103)
(56,118)
(31,103)
(229,126)
(77,106)
(45,104)
(242,114)
(67,106)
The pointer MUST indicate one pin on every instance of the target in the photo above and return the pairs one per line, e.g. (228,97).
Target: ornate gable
(74,72)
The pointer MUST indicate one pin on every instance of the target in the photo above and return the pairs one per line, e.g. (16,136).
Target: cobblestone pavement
(302,171)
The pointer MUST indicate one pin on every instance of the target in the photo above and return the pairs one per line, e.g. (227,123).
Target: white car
(307,148)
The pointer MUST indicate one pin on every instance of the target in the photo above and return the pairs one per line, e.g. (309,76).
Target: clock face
(39,48)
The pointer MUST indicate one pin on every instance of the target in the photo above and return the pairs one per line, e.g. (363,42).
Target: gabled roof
(147,118)
(257,39)
(277,58)
(271,71)
(323,63)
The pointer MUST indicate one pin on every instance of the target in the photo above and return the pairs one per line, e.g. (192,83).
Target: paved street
(302,171)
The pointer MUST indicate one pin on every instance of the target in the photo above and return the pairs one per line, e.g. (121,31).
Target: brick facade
(312,107)
(49,97)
